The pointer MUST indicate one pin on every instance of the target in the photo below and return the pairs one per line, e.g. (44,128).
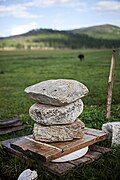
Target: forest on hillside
(56,39)
(79,41)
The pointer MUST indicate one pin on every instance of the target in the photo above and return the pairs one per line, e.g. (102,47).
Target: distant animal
(81,56)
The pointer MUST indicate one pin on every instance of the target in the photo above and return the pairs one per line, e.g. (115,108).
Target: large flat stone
(48,114)
(57,92)
(59,132)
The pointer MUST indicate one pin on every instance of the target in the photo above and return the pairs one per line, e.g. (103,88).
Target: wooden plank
(10,129)
(94,132)
(81,161)
(49,151)
(100,149)
(56,168)
(6,145)
(10,123)
(88,158)
(71,146)
(93,155)
(39,151)
(61,168)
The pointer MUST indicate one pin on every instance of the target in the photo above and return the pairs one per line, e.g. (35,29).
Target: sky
(20,16)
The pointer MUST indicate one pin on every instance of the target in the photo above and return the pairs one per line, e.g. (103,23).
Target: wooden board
(61,168)
(48,151)
(10,123)
(10,129)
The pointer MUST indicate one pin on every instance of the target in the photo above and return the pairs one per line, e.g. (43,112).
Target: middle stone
(53,115)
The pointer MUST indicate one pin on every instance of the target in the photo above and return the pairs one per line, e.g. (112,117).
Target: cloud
(17,10)
(108,5)
(22,10)
(1,34)
(46,3)
(62,24)
(77,4)
(20,29)
(81,6)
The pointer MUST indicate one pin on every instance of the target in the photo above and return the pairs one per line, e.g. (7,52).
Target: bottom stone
(58,132)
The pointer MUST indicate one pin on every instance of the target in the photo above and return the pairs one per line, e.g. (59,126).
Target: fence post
(110,86)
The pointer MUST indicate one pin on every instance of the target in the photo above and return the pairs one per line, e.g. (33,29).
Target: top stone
(57,92)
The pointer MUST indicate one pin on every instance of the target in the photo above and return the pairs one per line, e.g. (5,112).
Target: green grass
(19,69)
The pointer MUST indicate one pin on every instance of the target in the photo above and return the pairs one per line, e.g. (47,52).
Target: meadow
(19,69)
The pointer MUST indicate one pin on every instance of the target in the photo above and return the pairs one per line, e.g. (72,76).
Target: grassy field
(19,69)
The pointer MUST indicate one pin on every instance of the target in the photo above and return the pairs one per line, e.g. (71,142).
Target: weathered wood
(56,168)
(94,132)
(93,155)
(88,158)
(48,151)
(69,147)
(110,86)
(61,168)
(90,137)
(6,145)
(10,129)
(100,149)
(31,148)
(81,161)
(10,123)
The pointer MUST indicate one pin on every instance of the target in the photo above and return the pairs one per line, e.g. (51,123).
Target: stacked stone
(57,109)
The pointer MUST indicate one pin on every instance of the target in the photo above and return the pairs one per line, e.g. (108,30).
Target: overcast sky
(19,16)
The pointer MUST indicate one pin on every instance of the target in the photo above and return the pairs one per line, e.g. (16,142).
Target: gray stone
(53,115)
(113,130)
(28,175)
(57,92)
(116,135)
(58,132)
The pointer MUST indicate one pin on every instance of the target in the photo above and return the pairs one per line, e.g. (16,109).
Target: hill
(106,31)
(51,39)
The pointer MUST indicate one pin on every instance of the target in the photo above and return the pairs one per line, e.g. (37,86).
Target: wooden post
(110,86)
